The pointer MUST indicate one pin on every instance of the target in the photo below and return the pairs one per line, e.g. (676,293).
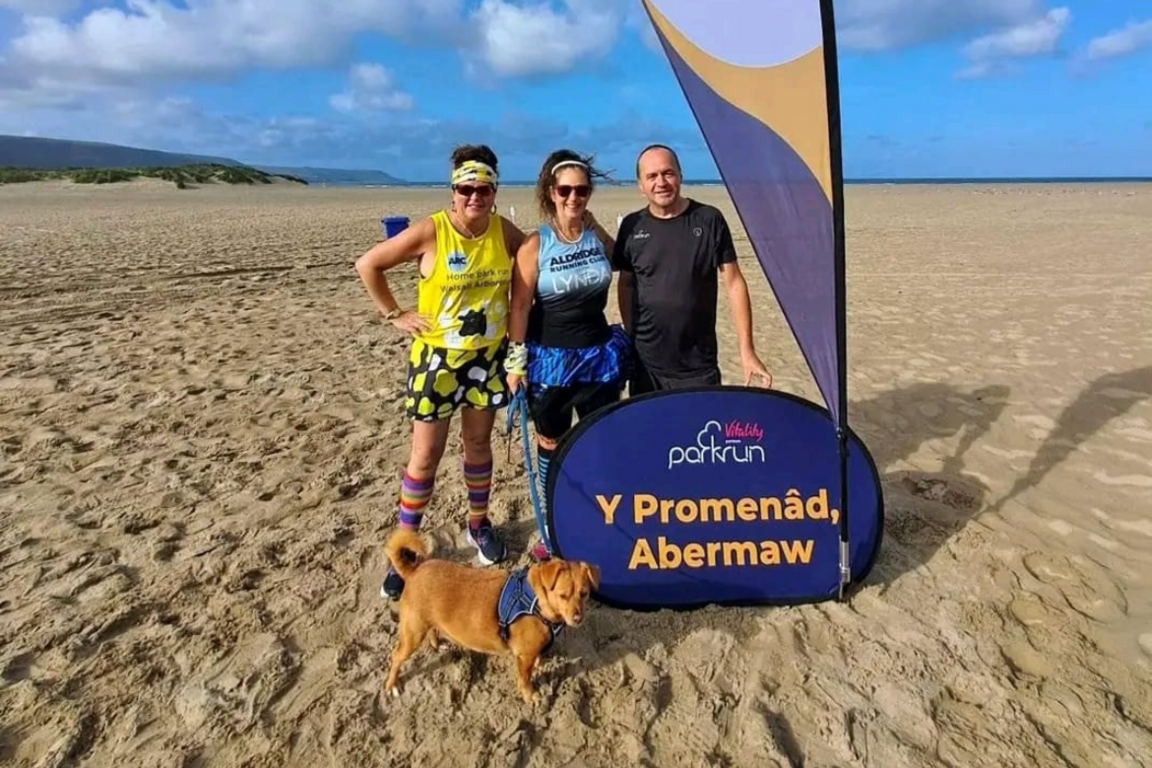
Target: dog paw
(394,691)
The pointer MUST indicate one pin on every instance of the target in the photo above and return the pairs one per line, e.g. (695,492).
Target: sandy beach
(202,429)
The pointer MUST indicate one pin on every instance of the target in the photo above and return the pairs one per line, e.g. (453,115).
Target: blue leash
(519,406)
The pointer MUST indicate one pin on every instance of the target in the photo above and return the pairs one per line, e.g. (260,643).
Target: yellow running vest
(465,297)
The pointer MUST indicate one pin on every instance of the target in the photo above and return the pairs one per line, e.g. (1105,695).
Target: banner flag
(760,78)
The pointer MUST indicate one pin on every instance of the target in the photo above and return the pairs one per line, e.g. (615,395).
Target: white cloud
(150,43)
(1121,42)
(1030,39)
(371,88)
(879,25)
(155,41)
(994,52)
(518,39)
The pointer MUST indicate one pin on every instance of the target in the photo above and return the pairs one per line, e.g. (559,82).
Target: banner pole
(845,553)
(832,89)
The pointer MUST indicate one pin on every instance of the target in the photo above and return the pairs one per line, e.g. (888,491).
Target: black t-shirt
(675,263)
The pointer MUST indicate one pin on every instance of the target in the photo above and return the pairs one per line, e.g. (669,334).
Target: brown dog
(463,604)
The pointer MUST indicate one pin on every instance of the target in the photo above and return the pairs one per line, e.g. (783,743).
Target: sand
(201,432)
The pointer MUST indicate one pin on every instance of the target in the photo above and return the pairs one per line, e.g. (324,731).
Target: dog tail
(406,549)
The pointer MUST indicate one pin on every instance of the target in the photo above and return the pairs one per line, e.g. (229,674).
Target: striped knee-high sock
(543,462)
(478,478)
(414,496)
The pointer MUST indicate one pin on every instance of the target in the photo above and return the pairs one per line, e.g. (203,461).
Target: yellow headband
(475,171)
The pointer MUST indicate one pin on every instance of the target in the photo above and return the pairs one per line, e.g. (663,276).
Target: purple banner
(753,74)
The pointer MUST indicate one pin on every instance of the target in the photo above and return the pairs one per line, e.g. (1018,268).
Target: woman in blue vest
(561,345)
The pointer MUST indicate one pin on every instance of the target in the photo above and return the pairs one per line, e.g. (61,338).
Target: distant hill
(183,176)
(52,154)
(333,175)
(27,152)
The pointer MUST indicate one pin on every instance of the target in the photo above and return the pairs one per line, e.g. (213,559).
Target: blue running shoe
(489,547)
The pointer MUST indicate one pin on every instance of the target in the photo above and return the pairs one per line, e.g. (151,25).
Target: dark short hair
(666,148)
(478,152)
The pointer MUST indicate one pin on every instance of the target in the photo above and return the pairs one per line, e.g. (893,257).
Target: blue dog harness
(517,600)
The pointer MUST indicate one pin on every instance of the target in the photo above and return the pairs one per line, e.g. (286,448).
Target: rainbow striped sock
(414,496)
(478,478)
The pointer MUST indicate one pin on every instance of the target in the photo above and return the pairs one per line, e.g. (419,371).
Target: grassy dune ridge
(181,175)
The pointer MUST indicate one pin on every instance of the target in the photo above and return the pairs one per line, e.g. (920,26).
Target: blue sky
(929,88)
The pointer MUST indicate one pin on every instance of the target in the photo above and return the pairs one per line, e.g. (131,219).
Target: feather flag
(760,77)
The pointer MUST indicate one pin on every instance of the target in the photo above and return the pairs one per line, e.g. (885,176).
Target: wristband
(393,314)
(516,361)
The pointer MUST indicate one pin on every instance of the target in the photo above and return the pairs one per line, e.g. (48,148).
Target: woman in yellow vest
(458,327)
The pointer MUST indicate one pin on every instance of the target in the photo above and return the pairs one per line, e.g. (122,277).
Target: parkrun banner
(720,495)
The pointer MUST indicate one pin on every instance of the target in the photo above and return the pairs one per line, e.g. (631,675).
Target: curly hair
(547,178)
(479,152)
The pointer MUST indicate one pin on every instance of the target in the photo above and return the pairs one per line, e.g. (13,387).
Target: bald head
(658,175)
(657,153)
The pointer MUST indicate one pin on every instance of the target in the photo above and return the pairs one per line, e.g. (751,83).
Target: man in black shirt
(672,256)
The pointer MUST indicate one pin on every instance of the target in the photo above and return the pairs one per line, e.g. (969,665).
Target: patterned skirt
(605,363)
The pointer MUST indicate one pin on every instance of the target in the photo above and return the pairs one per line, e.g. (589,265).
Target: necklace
(560,235)
(460,225)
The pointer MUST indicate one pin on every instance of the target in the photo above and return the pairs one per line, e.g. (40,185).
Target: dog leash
(519,407)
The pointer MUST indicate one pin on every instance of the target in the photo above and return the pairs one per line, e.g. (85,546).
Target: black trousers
(552,409)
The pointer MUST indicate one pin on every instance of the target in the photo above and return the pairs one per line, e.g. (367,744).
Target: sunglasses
(581,190)
(467,190)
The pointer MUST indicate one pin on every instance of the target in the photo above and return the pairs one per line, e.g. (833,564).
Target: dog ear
(593,574)
(550,573)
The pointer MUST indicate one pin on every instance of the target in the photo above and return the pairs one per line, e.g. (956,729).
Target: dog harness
(517,600)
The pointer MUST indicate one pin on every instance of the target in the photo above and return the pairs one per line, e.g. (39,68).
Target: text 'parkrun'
(663,554)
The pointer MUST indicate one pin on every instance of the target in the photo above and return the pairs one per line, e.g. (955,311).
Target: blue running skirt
(605,363)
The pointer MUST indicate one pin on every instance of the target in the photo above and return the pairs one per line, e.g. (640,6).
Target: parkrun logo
(717,443)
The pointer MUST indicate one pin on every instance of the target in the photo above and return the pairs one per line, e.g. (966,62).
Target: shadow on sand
(1105,399)
(924,510)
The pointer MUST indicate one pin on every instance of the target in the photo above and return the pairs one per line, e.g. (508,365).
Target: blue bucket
(394,225)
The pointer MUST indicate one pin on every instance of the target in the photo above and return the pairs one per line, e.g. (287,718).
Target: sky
(928,88)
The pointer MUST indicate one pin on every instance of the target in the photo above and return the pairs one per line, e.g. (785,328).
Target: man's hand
(742,319)
(514,382)
(753,367)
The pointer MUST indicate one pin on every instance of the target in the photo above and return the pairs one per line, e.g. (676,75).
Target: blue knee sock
(543,459)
